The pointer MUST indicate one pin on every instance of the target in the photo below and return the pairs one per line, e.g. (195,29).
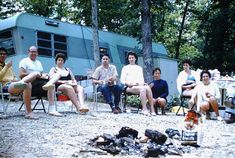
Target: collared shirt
(102,73)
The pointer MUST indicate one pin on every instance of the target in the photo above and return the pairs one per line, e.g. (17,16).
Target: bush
(133,101)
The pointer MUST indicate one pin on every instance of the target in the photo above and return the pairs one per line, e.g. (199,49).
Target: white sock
(52,108)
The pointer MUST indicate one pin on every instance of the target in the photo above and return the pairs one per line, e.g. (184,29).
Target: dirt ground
(68,136)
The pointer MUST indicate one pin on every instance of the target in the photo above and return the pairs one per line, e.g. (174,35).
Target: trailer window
(50,44)
(6,41)
(103,51)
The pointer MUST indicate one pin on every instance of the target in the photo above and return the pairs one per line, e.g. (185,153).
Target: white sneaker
(219,118)
(52,111)
(47,87)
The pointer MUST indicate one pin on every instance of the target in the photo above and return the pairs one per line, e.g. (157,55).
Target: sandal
(55,113)
(83,110)
(47,87)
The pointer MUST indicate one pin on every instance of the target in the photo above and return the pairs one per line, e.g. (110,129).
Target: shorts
(37,87)
(5,88)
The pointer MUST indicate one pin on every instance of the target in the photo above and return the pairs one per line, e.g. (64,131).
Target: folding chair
(125,94)
(98,95)
(9,96)
(78,78)
(38,98)
(182,104)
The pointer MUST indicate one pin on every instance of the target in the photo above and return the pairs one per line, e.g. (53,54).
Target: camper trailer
(51,36)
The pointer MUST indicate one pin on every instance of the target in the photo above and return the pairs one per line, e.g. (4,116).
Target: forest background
(201,30)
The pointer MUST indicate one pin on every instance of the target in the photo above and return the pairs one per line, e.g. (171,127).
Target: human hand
(151,85)
(208,95)
(101,82)
(44,75)
(9,64)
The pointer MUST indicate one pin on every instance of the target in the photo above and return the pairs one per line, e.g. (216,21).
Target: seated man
(13,86)
(230,103)
(31,68)
(160,90)
(106,77)
(207,94)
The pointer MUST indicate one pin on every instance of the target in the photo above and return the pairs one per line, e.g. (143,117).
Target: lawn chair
(125,94)
(9,98)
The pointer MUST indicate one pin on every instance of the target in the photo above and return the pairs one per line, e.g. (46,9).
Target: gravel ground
(68,136)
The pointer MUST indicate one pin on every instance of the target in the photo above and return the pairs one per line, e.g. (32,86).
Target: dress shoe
(231,120)
(115,111)
(119,110)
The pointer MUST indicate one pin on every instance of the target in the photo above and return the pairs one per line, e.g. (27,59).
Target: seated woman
(65,82)
(187,79)
(132,76)
(159,89)
(207,94)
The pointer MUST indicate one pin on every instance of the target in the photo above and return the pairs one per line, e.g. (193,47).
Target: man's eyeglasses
(3,54)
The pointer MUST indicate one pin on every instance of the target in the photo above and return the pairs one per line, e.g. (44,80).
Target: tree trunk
(177,49)
(146,40)
(96,52)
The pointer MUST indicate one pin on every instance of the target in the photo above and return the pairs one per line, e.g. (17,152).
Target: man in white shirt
(32,68)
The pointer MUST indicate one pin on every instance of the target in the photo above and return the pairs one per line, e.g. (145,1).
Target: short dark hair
(60,55)
(188,61)
(107,55)
(3,49)
(134,54)
(205,72)
(157,69)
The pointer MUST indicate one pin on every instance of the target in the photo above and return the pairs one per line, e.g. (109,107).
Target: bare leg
(54,78)
(27,102)
(50,84)
(13,90)
(50,96)
(204,107)
(142,92)
(27,98)
(52,108)
(69,91)
(214,104)
(162,102)
(30,77)
(150,98)
(79,90)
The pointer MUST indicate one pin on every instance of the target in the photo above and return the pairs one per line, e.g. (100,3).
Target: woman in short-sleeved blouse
(66,83)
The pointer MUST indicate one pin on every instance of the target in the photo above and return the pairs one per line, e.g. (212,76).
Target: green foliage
(208,33)
(9,8)
(133,100)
